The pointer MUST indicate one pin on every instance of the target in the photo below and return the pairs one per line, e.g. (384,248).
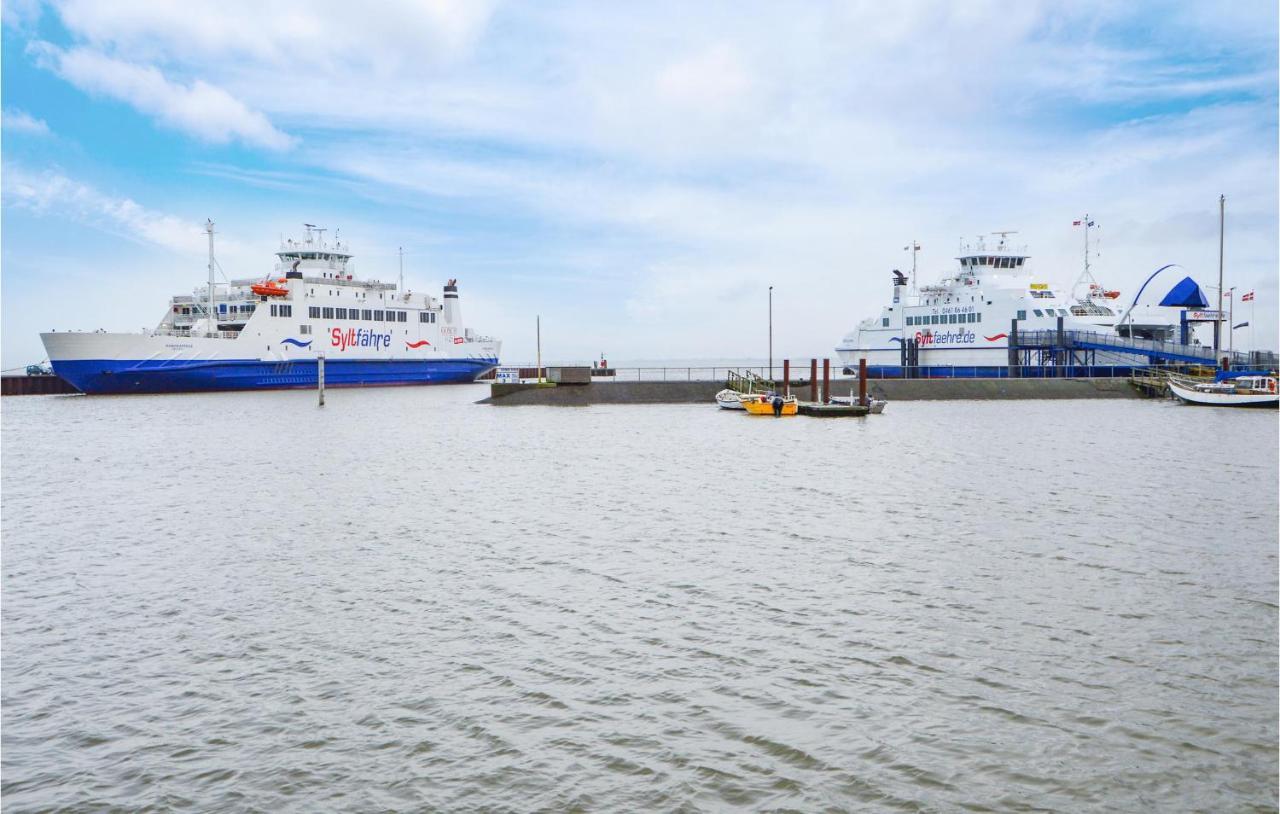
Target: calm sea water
(406,601)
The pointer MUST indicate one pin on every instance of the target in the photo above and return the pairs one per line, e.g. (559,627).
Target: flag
(1090,223)
(1247,297)
(457,340)
(1241,325)
(1075,223)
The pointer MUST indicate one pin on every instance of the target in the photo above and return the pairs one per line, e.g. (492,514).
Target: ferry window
(403,316)
(979,316)
(422,316)
(306,329)
(933,319)
(341,313)
(326,313)
(1021,260)
(366,314)
(286,310)
(1038,312)
(314,312)
(951,319)
(273,311)
(377,316)
(1022,315)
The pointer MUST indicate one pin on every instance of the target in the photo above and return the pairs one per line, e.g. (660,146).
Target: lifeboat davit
(270,289)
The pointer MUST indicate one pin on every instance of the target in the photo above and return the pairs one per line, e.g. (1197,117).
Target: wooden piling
(786,377)
(862,381)
(813,380)
(826,381)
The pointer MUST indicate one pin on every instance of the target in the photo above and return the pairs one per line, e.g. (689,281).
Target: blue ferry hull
(117,376)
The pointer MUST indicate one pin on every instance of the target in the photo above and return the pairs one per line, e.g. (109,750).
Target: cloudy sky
(638,174)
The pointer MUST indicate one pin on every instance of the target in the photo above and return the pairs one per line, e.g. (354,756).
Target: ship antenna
(401,250)
(208,227)
(913,248)
(1086,278)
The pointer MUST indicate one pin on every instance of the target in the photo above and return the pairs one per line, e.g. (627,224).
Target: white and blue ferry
(960,325)
(270,333)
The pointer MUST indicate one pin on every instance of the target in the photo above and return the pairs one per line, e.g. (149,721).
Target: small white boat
(876,405)
(729,399)
(1242,391)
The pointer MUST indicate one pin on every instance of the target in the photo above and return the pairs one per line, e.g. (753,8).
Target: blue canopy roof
(1186,294)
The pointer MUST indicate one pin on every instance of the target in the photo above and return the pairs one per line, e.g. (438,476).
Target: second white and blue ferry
(270,332)
(960,325)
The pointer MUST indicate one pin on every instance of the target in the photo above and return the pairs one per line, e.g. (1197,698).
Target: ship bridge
(314,253)
(978,256)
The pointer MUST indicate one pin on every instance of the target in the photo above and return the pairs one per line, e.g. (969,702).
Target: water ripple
(408,602)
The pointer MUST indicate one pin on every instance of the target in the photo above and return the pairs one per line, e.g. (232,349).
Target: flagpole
(1231,322)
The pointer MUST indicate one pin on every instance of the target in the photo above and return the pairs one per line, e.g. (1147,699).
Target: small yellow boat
(762,404)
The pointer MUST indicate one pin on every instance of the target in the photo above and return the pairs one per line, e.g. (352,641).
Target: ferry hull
(116,376)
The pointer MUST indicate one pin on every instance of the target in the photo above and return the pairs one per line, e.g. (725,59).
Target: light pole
(770,333)
(1217,326)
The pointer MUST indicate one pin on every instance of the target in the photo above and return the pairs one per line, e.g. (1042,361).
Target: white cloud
(680,156)
(53,193)
(304,34)
(199,109)
(20,121)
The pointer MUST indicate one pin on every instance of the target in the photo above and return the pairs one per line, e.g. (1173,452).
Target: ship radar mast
(1086,277)
(914,248)
(1004,238)
(211,323)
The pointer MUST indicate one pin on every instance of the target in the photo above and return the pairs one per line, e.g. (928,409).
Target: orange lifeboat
(1111,295)
(270,288)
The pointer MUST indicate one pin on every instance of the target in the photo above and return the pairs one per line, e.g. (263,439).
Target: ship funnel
(899,283)
(452,310)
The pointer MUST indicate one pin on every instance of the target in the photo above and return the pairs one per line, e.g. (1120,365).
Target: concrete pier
(686,392)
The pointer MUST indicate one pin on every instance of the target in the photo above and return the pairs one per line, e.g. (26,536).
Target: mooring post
(786,377)
(813,380)
(862,381)
(1013,348)
(826,381)
(320,377)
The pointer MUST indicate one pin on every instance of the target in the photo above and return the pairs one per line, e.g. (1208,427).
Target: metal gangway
(1154,352)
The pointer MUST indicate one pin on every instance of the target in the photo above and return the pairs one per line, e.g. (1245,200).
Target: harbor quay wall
(34,385)
(892,389)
